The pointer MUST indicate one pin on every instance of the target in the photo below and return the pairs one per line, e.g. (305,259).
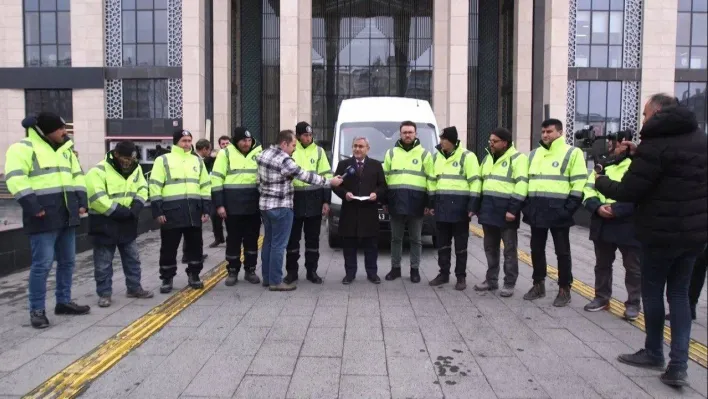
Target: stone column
(658,48)
(555,54)
(450,64)
(523,57)
(295,62)
(222,68)
(89,109)
(12,101)
(193,67)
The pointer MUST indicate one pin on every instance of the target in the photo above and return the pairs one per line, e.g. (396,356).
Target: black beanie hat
(450,134)
(49,122)
(177,136)
(126,149)
(503,134)
(240,133)
(302,128)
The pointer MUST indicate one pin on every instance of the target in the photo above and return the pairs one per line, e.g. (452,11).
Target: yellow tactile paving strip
(696,350)
(75,378)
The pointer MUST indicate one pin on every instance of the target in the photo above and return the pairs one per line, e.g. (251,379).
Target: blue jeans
(47,246)
(103,267)
(671,267)
(277,224)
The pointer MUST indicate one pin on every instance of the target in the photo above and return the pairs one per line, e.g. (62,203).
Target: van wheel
(334,241)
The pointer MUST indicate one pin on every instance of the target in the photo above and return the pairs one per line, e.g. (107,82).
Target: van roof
(383,109)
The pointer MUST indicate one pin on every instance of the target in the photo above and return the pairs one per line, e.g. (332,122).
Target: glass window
(599,33)
(598,104)
(144,98)
(56,101)
(47,33)
(144,32)
(382,136)
(369,49)
(693,95)
(692,35)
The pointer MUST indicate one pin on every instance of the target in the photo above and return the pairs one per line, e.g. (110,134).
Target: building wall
(12,101)
(658,48)
(87,50)
(193,90)
(523,56)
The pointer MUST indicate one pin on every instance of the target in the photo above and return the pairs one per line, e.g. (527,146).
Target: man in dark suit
(359,219)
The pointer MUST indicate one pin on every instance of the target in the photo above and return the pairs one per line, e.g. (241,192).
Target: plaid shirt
(276,171)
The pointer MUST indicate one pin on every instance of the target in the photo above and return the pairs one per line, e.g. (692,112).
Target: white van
(378,119)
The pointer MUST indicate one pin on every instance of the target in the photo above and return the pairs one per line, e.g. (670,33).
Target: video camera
(596,146)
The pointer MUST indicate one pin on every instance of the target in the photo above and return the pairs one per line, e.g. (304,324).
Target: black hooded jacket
(667,181)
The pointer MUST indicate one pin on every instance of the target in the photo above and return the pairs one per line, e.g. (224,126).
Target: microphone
(351,171)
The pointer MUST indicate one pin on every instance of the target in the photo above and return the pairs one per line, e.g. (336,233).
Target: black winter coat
(360,218)
(667,181)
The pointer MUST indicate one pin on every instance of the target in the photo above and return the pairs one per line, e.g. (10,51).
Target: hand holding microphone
(350,171)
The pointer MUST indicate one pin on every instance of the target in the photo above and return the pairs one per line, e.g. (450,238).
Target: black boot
(38,319)
(393,274)
(251,276)
(71,308)
(232,278)
(313,277)
(290,278)
(415,275)
(194,281)
(166,286)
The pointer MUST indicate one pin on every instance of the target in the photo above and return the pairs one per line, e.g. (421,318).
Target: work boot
(290,278)
(347,280)
(597,305)
(507,291)
(313,277)
(440,279)
(461,284)
(415,275)
(166,286)
(631,312)
(642,359)
(251,277)
(194,281)
(374,278)
(139,293)
(674,378)
(563,297)
(71,308)
(216,243)
(282,287)
(537,291)
(393,274)
(104,301)
(485,286)
(232,278)
(38,319)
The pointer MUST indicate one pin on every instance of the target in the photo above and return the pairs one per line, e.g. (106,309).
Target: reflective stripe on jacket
(115,202)
(233,180)
(456,185)
(557,176)
(505,185)
(409,176)
(44,179)
(619,229)
(180,189)
(308,199)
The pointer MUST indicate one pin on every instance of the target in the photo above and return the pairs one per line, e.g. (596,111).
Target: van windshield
(382,136)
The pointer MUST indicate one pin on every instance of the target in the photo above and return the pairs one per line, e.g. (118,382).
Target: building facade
(138,69)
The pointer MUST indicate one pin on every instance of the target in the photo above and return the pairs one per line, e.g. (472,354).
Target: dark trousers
(698,278)
(671,268)
(350,245)
(445,233)
(312,226)
(493,236)
(242,230)
(193,245)
(561,242)
(604,258)
(217,225)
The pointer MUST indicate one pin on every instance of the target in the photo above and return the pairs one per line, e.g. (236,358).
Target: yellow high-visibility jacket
(233,180)
(43,178)
(505,184)
(308,199)
(409,177)
(180,189)
(456,185)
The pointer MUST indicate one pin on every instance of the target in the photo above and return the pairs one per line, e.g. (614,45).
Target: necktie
(359,167)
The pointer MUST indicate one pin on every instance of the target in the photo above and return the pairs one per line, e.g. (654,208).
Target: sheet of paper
(362,198)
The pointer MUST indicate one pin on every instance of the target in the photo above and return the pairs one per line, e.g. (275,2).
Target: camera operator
(612,228)
(668,183)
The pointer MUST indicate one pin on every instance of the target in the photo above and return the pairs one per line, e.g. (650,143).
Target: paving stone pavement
(394,340)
